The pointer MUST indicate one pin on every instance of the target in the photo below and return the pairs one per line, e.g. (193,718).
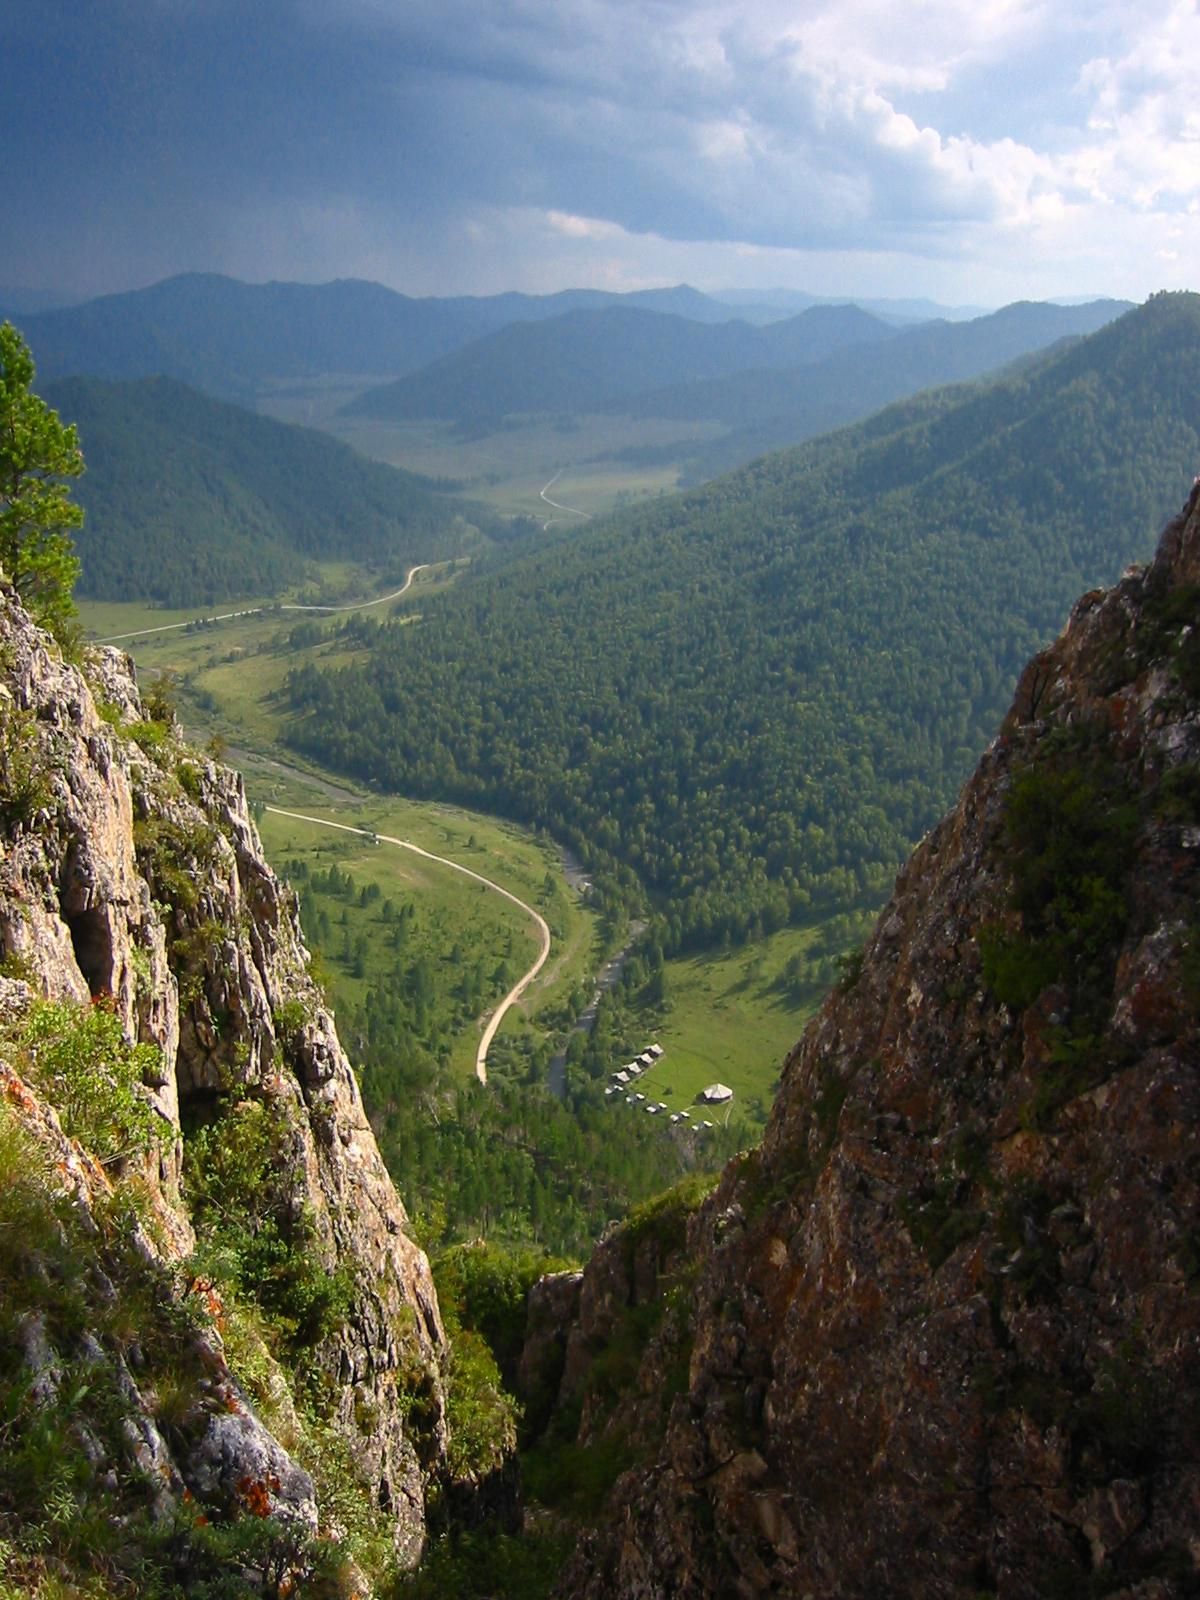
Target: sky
(972,151)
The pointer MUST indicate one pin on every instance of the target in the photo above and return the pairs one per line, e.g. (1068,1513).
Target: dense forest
(752,699)
(190,500)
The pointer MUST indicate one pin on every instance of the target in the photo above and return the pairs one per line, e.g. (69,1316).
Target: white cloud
(581,227)
(1142,148)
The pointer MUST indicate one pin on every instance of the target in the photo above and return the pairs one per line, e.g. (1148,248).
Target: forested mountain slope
(587,360)
(191,500)
(768,410)
(755,697)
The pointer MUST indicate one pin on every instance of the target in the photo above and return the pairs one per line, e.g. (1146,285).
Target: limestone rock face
(946,1324)
(130,869)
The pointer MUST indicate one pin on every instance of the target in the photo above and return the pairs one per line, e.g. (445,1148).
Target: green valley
(736,708)
(746,703)
(413,956)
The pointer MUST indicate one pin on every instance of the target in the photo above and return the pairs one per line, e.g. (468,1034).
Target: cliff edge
(195,1220)
(943,1329)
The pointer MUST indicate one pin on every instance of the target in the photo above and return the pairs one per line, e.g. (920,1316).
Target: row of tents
(632,1070)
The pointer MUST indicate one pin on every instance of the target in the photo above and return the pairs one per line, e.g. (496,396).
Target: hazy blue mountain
(191,500)
(787,302)
(20,300)
(229,338)
(590,360)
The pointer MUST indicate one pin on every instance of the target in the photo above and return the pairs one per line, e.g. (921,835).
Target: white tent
(716,1094)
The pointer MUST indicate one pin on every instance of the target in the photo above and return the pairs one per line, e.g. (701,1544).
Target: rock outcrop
(131,877)
(945,1323)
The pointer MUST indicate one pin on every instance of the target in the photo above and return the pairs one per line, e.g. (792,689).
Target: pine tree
(37,513)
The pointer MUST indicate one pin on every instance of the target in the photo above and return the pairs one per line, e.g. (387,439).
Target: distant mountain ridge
(779,302)
(191,500)
(772,386)
(229,338)
(771,411)
(591,360)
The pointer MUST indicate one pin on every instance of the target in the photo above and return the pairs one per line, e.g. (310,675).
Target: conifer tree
(37,514)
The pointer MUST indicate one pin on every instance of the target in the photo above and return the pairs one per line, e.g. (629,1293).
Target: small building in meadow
(717,1094)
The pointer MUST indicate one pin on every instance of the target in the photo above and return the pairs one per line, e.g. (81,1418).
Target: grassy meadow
(508,466)
(729,1017)
(457,923)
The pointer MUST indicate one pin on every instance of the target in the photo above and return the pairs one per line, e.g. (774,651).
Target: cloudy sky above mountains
(972,150)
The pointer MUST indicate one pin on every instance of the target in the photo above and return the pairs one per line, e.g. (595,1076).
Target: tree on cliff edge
(36,510)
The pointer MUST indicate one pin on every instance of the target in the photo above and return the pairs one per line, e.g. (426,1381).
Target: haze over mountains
(770,387)
(595,360)
(715,389)
(479,358)
(231,337)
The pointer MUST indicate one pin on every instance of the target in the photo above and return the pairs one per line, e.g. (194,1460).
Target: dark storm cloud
(307,137)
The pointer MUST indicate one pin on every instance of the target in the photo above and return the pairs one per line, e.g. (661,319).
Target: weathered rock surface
(946,1323)
(132,870)
(552,1313)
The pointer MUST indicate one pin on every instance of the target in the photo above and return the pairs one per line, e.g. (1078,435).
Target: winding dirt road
(574,510)
(518,989)
(258,611)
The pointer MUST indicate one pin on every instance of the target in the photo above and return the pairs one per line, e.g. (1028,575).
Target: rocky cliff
(184,1097)
(942,1331)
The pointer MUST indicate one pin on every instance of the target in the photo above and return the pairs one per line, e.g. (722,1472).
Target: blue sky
(971,151)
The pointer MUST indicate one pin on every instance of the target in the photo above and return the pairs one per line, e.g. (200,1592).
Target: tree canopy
(37,514)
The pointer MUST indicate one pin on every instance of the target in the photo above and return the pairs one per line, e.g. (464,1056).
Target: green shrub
(573,1478)
(159,699)
(67,1531)
(78,1057)
(489,1566)
(1015,968)
(190,956)
(28,1218)
(175,857)
(1177,798)
(289,1018)
(151,737)
(237,1177)
(26,767)
(345,1502)
(1069,828)
(481,1415)
(188,774)
(939,1220)
(487,1286)
(664,1217)
(850,969)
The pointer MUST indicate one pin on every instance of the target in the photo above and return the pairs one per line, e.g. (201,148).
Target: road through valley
(519,988)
